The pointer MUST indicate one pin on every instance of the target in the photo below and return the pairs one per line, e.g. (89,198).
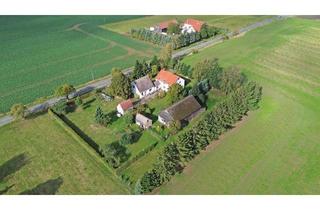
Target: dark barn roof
(181,110)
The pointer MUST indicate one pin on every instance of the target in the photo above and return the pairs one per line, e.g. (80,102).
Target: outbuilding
(183,110)
(143,121)
(124,106)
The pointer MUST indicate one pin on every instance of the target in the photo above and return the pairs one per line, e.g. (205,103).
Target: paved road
(106,82)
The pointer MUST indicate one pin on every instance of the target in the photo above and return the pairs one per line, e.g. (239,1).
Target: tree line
(241,96)
(178,40)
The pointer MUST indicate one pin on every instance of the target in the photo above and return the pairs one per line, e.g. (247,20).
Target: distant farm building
(191,26)
(165,79)
(143,121)
(163,26)
(143,86)
(183,110)
(124,106)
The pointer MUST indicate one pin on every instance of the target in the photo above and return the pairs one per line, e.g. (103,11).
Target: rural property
(189,105)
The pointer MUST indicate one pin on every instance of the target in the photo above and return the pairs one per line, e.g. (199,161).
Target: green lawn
(223,21)
(38,154)
(276,149)
(84,119)
(40,53)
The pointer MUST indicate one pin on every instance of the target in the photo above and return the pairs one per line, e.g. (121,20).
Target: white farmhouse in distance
(165,79)
(191,26)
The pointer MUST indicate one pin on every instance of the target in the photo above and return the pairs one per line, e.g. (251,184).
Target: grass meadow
(275,150)
(224,21)
(40,53)
(38,155)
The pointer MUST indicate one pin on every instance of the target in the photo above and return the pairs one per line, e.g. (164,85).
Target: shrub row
(178,40)
(151,36)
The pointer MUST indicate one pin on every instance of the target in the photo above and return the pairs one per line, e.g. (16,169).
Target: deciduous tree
(120,84)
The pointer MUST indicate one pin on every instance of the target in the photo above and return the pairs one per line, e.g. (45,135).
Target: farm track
(129,49)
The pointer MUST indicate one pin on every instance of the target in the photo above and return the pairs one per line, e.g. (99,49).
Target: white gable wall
(187,28)
(120,110)
(135,90)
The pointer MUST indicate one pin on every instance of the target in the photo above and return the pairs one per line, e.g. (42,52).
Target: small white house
(143,121)
(143,87)
(165,79)
(123,107)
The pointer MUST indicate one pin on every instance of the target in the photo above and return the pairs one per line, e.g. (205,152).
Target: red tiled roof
(165,24)
(196,24)
(127,104)
(167,77)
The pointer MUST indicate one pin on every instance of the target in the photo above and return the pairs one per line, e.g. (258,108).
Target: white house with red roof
(191,25)
(124,106)
(165,79)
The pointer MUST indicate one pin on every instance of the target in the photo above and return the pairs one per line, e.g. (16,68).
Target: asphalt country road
(106,82)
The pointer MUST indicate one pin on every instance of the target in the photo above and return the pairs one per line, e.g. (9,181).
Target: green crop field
(38,53)
(223,21)
(37,154)
(275,150)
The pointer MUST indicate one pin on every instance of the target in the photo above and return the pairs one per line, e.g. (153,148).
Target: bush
(195,51)
(161,94)
(128,138)
(64,90)
(61,107)
(129,118)
(18,111)
(174,127)
(102,118)
(115,154)
(78,101)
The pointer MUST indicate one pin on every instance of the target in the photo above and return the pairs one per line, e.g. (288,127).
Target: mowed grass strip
(52,154)
(275,150)
(42,52)
(223,21)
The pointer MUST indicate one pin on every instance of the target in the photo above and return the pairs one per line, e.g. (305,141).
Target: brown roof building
(124,106)
(183,110)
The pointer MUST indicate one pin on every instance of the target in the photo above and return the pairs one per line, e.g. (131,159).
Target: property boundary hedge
(79,138)
(76,132)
